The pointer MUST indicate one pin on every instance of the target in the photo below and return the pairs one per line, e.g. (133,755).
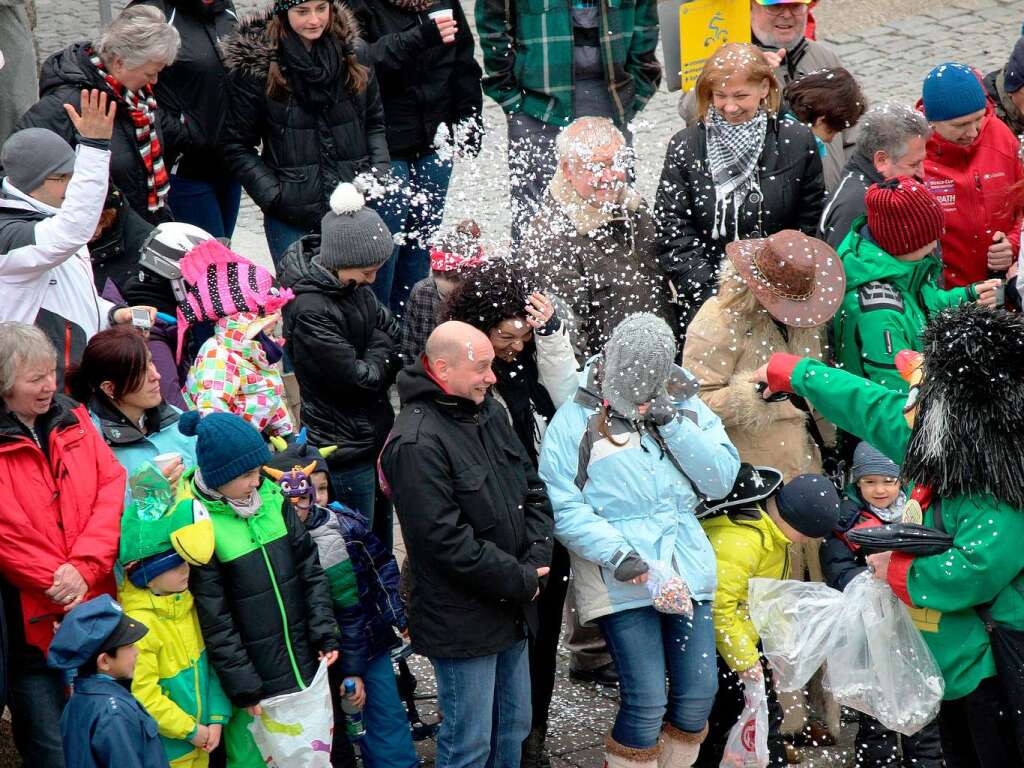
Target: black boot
(534,754)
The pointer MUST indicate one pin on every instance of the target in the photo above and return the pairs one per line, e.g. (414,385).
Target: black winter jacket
(792,195)
(304,155)
(195,85)
(846,204)
(475,518)
(839,562)
(115,254)
(264,578)
(344,346)
(423,82)
(61,81)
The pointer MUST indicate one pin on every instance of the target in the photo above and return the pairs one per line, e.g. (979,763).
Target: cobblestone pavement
(887,49)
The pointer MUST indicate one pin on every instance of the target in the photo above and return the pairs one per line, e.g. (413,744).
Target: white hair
(584,136)
(138,35)
(21,344)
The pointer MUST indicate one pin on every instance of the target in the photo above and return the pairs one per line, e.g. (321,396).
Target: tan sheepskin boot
(618,756)
(679,749)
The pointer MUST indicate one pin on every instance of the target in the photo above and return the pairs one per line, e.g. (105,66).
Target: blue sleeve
(699,443)
(355,650)
(838,562)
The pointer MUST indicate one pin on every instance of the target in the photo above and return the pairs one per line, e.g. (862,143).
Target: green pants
(242,750)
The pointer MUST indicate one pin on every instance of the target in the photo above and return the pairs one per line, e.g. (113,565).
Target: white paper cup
(165,460)
(443,13)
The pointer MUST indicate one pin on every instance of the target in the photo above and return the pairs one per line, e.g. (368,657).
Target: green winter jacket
(984,564)
(886,307)
(528,55)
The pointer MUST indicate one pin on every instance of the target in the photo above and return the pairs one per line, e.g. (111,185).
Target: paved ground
(888,45)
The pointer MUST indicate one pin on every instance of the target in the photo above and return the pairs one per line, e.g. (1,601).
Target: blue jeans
(486,706)
(415,210)
(356,487)
(388,740)
(209,205)
(280,235)
(687,655)
(36,698)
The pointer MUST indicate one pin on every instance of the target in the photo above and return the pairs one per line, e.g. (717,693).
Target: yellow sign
(706,25)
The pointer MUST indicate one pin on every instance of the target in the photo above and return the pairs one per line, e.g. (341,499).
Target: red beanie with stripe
(903,216)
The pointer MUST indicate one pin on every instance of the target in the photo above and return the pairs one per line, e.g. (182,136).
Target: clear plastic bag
(295,729)
(747,746)
(669,591)
(877,661)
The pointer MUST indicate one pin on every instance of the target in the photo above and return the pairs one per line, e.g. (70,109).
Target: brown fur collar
(249,50)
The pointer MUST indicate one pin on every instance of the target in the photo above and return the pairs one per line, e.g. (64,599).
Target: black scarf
(519,386)
(314,76)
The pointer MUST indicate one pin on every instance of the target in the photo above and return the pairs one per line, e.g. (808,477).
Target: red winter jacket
(65,510)
(971,183)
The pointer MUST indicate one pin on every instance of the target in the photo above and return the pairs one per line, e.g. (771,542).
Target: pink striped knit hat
(220,283)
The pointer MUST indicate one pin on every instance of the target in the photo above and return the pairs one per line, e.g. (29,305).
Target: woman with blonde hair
(740,171)
(301,86)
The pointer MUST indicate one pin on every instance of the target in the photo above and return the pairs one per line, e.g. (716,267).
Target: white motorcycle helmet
(165,246)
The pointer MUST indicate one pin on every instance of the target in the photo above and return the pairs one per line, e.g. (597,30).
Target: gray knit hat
(31,155)
(868,460)
(352,235)
(638,359)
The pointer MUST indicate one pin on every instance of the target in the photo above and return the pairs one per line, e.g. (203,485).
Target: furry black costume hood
(968,436)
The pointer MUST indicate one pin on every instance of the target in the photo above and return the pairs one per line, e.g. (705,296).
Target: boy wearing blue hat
(103,725)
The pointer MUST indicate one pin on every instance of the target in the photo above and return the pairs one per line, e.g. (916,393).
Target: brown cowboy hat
(799,279)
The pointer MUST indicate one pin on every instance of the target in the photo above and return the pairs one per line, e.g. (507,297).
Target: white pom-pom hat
(352,235)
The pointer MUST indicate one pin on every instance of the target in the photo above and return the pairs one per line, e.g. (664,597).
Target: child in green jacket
(892,280)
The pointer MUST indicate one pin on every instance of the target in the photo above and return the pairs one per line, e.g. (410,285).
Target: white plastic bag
(747,746)
(669,591)
(880,664)
(877,661)
(295,729)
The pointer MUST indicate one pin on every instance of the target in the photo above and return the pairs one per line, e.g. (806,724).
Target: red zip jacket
(971,183)
(65,510)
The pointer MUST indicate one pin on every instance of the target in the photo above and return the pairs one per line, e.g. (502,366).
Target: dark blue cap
(1013,78)
(810,504)
(96,625)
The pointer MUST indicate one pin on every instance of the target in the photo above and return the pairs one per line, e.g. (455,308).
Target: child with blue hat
(103,725)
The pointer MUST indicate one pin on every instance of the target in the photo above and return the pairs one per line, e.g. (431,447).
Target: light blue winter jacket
(609,500)
(130,446)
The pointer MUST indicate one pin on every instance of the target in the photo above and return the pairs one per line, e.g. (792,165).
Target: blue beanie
(228,446)
(868,460)
(950,91)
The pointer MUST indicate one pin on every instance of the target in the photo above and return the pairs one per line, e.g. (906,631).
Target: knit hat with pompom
(352,235)
(227,446)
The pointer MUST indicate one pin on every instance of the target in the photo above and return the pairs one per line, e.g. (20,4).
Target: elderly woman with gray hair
(124,62)
(63,492)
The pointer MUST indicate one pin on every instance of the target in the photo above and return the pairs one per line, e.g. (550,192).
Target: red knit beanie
(903,215)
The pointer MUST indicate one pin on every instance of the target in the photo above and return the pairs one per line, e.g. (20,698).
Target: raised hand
(97,118)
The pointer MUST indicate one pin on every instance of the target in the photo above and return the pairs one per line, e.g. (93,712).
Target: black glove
(662,410)
(632,565)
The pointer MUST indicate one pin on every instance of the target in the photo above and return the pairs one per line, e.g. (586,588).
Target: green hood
(865,262)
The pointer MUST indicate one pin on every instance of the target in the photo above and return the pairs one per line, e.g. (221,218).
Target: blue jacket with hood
(611,496)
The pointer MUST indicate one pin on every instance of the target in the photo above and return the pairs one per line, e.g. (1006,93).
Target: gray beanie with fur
(351,234)
(638,359)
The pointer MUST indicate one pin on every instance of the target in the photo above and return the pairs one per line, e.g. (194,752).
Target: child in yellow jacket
(751,531)
(173,679)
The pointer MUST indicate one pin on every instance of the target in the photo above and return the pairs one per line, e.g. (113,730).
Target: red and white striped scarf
(141,106)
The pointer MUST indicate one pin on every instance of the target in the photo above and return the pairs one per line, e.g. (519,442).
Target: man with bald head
(477,526)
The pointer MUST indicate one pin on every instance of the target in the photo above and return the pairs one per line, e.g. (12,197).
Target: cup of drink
(442,13)
(165,460)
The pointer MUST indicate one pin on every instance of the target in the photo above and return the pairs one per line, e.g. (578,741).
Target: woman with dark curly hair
(536,372)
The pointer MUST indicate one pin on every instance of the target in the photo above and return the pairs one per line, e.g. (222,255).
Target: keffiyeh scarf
(733,152)
(141,106)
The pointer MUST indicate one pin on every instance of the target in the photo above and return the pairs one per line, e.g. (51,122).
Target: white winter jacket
(45,273)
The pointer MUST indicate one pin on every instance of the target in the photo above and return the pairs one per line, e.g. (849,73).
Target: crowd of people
(598,434)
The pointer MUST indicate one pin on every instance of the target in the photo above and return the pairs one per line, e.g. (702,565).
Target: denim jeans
(209,205)
(645,644)
(415,210)
(280,235)
(356,487)
(486,706)
(36,698)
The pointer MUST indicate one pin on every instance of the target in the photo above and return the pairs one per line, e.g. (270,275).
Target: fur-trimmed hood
(249,49)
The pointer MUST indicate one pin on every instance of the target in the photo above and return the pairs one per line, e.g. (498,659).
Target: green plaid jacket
(527,47)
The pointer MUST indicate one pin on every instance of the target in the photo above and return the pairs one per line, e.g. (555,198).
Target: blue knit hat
(228,446)
(950,91)
(868,460)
